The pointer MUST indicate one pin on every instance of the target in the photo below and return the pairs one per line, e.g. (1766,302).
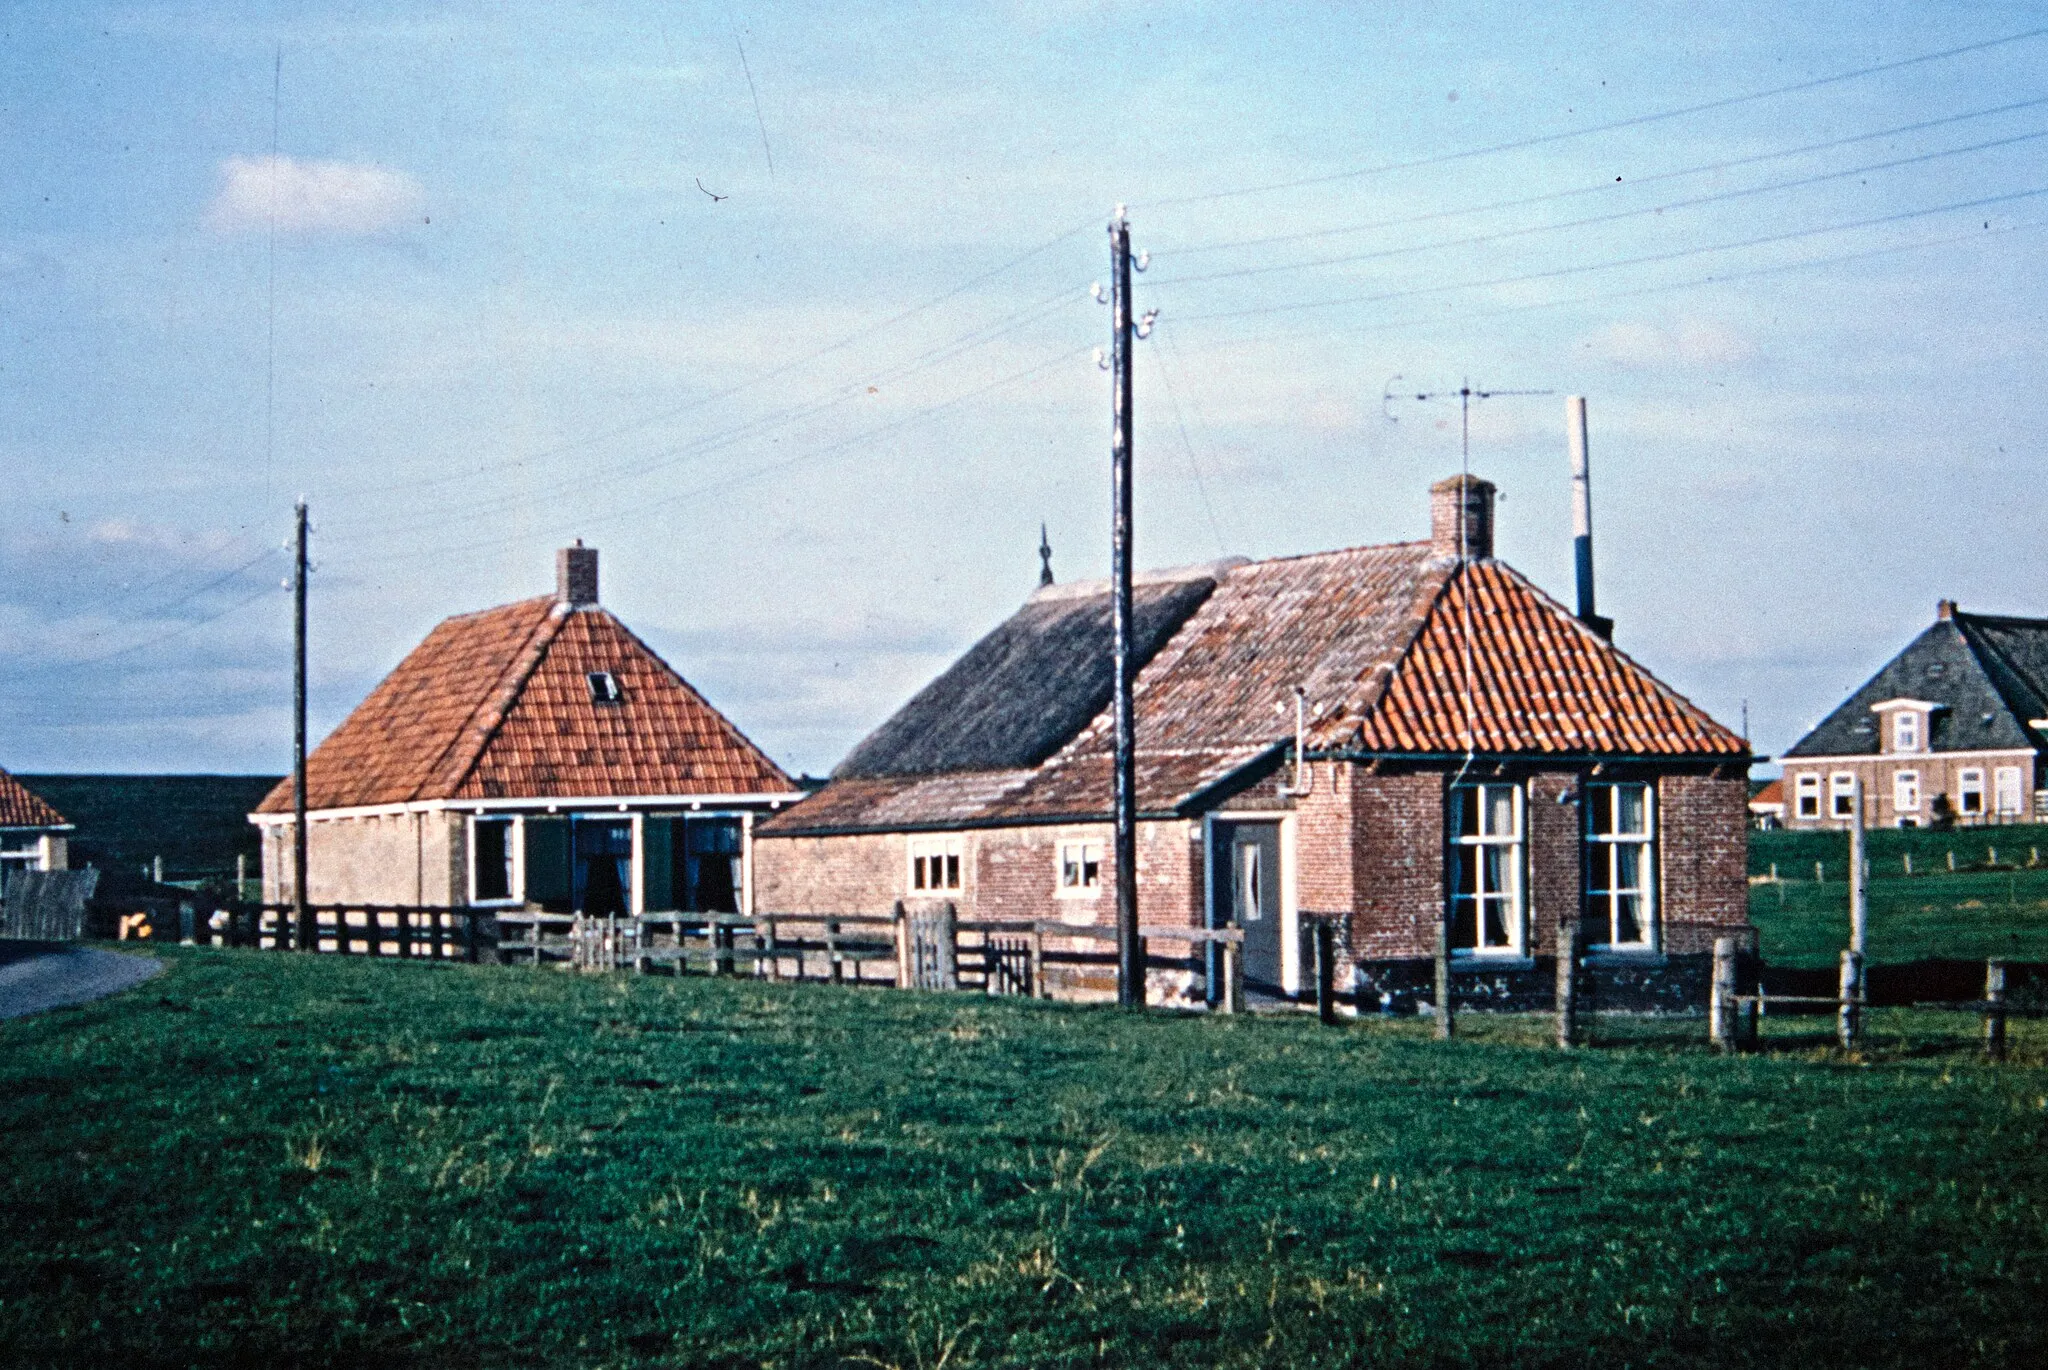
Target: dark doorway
(1245,893)
(604,866)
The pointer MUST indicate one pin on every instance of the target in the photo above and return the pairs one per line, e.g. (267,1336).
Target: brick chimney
(1944,609)
(1472,496)
(576,575)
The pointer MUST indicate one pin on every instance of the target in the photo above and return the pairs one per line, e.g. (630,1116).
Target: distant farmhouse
(540,755)
(1471,750)
(1952,729)
(33,835)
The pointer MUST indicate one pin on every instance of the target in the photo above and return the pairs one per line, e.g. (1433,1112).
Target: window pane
(1466,875)
(1496,872)
(1464,927)
(1631,809)
(493,861)
(1600,808)
(1091,867)
(1465,812)
(1628,866)
(1496,923)
(1600,870)
(918,872)
(1628,925)
(1500,811)
(952,871)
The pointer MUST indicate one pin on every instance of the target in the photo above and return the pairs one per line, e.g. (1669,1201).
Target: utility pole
(301,910)
(1130,963)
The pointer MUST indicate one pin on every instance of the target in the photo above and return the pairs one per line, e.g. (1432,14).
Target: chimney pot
(576,575)
(1944,609)
(1472,497)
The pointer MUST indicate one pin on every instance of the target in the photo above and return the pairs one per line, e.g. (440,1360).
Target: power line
(1522,202)
(1614,216)
(178,631)
(1616,264)
(1201,486)
(1540,140)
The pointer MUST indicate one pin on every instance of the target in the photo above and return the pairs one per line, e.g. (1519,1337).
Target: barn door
(1245,885)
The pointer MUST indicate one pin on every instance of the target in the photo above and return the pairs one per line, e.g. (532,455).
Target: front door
(1246,889)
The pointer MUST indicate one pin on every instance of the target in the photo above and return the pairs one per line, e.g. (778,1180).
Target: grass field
(259,1158)
(1976,911)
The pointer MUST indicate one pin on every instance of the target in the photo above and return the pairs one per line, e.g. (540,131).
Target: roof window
(604,687)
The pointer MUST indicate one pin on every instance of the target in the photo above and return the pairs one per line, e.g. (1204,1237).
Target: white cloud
(310,197)
(1691,342)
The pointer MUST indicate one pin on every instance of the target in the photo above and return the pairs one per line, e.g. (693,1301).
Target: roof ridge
(495,705)
(1434,587)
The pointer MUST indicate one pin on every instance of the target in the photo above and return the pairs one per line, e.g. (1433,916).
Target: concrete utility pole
(1859,897)
(1130,961)
(301,910)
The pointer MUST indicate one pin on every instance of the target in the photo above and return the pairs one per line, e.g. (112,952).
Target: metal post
(1582,504)
(1859,902)
(1130,973)
(303,914)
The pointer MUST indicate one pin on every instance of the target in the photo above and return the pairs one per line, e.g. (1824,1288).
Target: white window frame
(1906,730)
(1513,898)
(1806,787)
(2008,783)
(1970,785)
(1842,794)
(932,865)
(1905,791)
(1604,858)
(515,854)
(1072,858)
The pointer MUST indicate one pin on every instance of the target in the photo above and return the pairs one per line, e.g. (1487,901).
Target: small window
(604,687)
(2007,781)
(1905,730)
(1970,791)
(491,850)
(1620,866)
(1809,795)
(1906,791)
(934,864)
(1486,852)
(1842,794)
(1080,867)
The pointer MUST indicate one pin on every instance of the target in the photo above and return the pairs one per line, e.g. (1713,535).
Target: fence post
(902,930)
(1038,986)
(1567,987)
(1144,961)
(1445,1024)
(1994,1010)
(1233,977)
(1850,1021)
(1326,972)
(185,921)
(949,946)
(1721,1005)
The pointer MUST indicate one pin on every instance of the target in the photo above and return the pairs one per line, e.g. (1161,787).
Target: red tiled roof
(1772,795)
(21,807)
(496,705)
(1376,637)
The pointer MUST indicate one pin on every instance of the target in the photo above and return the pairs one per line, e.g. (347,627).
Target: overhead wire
(1611,126)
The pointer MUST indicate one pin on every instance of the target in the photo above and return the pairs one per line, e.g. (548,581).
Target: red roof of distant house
(498,705)
(1770,798)
(21,807)
(1378,639)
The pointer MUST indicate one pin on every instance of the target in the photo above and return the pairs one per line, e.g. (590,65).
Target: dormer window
(1905,730)
(604,687)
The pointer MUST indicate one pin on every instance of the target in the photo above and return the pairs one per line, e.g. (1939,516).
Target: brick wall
(1704,832)
(1939,772)
(399,858)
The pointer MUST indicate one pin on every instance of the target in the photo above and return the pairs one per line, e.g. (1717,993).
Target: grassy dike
(259,1158)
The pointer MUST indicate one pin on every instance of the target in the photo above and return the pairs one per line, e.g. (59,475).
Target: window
(1905,730)
(604,688)
(934,864)
(491,849)
(1486,854)
(1906,791)
(1809,795)
(1842,793)
(1970,791)
(2007,782)
(1620,865)
(1080,867)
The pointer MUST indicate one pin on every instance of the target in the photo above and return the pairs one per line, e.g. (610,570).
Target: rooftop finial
(1044,557)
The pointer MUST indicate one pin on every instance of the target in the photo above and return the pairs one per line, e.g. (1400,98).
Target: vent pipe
(1582,514)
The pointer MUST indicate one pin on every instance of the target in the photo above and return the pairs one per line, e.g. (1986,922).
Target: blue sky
(459,277)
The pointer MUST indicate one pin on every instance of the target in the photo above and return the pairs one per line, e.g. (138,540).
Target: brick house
(1471,755)
(535,755)
(1952,729)
(33,835)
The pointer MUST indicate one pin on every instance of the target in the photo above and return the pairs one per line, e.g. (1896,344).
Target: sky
(786,309)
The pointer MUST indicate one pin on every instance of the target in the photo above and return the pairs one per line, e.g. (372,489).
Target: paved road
(35,976)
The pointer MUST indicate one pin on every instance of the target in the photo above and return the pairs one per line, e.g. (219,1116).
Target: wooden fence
(47,906)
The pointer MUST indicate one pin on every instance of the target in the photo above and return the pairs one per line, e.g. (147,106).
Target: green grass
(259,1158)
(1971,914)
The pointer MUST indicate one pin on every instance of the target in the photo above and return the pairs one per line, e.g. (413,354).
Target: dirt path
(35,976)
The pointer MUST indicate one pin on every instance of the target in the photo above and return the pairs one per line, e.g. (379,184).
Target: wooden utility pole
(1130,965)
(302,912)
